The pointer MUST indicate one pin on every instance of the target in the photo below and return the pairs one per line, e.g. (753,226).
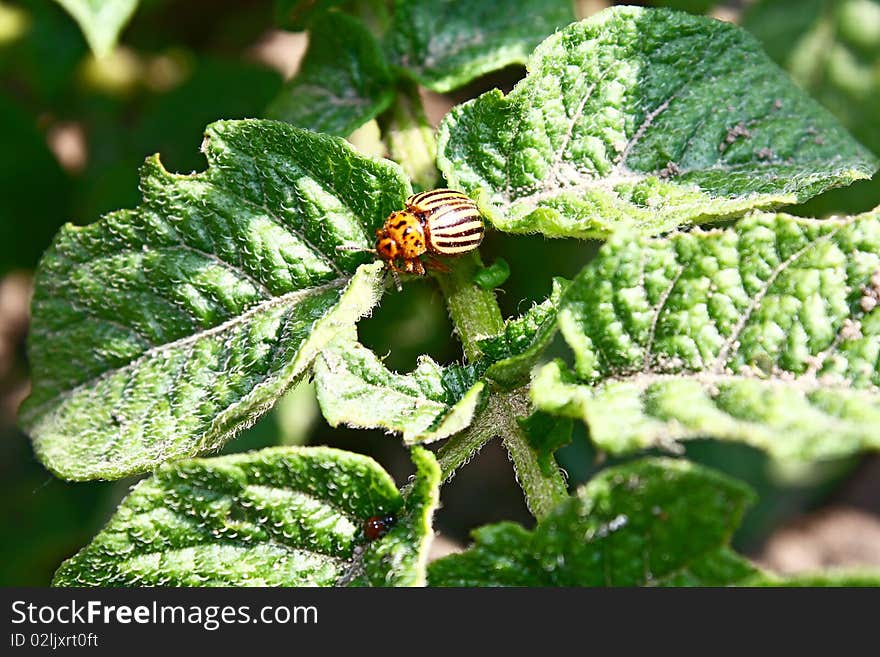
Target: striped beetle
(439,222)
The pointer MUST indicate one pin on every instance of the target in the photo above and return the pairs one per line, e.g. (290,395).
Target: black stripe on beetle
(448,243)
(440,221)
(460,234)
(443,223)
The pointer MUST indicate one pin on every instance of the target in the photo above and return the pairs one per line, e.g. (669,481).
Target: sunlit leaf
(649,116)
(767,332)
(160,332)
(285,516)
(356,389)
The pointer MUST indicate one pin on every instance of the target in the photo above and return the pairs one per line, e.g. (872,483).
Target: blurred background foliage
(76,129)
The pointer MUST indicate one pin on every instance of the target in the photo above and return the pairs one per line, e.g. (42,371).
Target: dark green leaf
(160,332)
(652,522)
(494,275)
(767,332)
(515,352)
(343,82)
(284,516)
(649,116)
(832,49)
(446,45)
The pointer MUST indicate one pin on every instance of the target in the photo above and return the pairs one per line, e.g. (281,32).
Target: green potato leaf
(831,48)
(515,352)
(767,332)
(160,332)
(432,402)
(445,45)
(657,522)
(650,116)
(344,80)
(285,516)
(101,21)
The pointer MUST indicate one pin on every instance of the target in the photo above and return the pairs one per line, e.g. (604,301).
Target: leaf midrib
(289,298)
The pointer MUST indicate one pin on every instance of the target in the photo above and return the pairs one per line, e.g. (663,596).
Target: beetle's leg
(355,248)
(396,278)
(413,266)
(417,267)
(392,269)
(435,265)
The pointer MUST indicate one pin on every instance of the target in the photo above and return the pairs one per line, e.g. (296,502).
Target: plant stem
(474,311)
(462,447)
(543,490)
(411,138)
(475,314)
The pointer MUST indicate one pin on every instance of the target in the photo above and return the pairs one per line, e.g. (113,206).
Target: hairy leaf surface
(650,116)
(159,332)
(283,516)
(652,522)
(356,389)
(515,352)
(767,332)
(432,402)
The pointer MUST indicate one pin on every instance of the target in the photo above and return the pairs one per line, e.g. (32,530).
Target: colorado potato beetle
(439,222)
(376,527)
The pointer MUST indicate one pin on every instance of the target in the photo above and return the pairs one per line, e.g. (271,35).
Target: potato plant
(161,332)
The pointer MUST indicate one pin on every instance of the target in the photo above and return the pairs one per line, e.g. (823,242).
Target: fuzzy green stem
(544,490)
(411,139)
(474,311)
(462,447)
(475,314)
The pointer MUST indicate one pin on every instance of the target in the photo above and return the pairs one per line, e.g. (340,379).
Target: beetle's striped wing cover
(452,221)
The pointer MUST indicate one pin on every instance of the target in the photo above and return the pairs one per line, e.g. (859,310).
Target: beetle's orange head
(386,246)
